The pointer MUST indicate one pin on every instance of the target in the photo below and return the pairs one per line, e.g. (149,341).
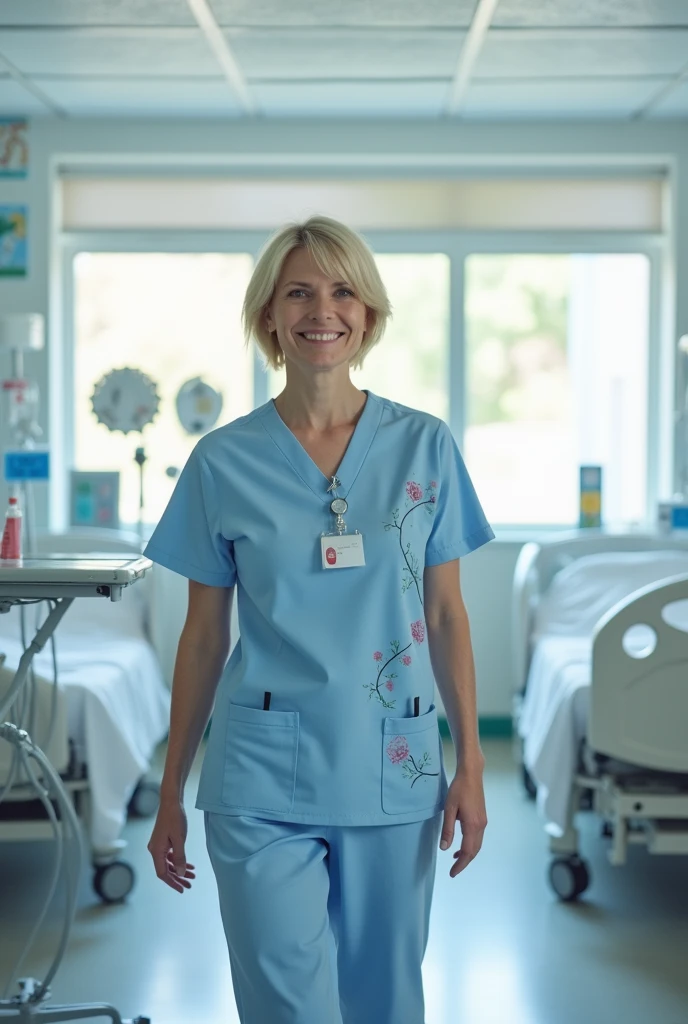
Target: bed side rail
(639,705)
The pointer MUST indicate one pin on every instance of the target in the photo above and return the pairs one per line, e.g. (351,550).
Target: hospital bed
(600,654)
(101,724)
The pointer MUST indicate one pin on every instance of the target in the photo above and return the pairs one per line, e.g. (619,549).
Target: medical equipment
(58,579)
(198,406)
(600,635)
(19,333)
(127,400)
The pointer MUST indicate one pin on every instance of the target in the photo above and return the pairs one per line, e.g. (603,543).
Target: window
(556,377)
(174,316)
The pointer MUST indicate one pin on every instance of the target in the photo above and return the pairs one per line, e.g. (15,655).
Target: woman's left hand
(466,803)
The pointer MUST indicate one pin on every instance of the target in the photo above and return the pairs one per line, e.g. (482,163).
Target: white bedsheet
(117,701)
(554,719)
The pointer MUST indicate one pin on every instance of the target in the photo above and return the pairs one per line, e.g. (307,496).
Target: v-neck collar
(303,464)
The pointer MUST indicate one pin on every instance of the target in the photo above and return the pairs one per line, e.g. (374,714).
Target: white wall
(337,147)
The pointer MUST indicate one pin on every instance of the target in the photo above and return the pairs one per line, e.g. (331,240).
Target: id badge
(342,552)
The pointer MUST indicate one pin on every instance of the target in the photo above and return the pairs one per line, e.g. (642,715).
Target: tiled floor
(502,949)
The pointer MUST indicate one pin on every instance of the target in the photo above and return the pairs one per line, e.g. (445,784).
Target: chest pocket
(412,770)
(261,750)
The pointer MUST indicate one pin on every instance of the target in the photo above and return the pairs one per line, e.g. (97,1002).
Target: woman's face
(320,323)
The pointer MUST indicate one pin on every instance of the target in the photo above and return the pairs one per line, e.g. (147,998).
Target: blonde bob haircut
(338,252)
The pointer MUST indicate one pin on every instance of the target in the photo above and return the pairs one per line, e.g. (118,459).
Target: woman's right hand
(166,846)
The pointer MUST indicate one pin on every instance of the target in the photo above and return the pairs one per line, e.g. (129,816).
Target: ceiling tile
(575,53)
(346,53)
(592,13)
(16,101)
(110,52)
(675,104)
(353,13)
(560,100)
(95,12)
(144,97)
(351,99)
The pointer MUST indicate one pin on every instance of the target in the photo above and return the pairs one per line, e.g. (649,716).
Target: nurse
(339,517)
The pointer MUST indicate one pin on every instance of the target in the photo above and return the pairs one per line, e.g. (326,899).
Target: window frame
(457,245)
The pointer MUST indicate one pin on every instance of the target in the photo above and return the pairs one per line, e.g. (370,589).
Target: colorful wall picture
(13,240)
(14,147)
(94,498)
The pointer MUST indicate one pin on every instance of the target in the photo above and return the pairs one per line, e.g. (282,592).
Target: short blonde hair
(339,252)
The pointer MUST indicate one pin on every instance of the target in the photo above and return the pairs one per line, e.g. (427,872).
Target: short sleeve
(188,539)
(459,524)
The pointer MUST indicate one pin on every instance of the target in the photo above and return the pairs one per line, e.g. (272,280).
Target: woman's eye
(294,291)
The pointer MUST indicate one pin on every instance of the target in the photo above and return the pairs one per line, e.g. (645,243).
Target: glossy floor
(502,949)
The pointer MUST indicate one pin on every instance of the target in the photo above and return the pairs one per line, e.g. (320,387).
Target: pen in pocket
(266,701)
(416,707)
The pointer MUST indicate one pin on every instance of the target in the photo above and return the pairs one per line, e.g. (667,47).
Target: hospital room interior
(520,170)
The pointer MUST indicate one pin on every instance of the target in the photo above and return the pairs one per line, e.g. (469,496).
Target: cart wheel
(145,800)
(141,1020)
(569,877)
(114,881)
(528,784)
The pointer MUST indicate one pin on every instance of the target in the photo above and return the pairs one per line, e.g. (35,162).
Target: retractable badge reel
(340,550)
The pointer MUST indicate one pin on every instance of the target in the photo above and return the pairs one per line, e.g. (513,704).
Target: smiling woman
(325,717)
(322,262)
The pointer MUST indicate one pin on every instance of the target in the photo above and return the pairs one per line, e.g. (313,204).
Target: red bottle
(11,548)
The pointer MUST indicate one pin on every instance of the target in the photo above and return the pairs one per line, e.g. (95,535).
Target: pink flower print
(414,490)
(406,660)
(418,631)
(433,483)
(378,655)
(397,749)
(389,684)
(433,499)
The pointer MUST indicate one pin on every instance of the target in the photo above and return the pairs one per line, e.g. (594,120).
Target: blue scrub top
(343,651)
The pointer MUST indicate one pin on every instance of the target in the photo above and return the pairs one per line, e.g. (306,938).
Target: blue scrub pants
(325,924)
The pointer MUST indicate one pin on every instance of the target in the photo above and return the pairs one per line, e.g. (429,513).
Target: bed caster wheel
(141,1020)
(114,881)
(569,877)
(145,800)
(528,784)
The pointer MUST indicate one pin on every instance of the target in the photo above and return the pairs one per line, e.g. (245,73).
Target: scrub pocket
(411,763)
(261,749)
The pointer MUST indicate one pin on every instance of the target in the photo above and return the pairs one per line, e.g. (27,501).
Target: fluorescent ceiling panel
(15,101)
(95,12)
(355,99)
(578,54)
(591,13)
(117,52)
(354,13)
(151,97)
(675,104)
(557,100)
(345,53)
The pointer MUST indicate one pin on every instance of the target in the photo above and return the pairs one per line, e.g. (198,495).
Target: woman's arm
(451,655)
(201,656)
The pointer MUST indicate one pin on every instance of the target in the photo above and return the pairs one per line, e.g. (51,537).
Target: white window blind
(610,203)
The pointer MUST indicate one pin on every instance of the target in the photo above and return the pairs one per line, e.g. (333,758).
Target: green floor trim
(489,726)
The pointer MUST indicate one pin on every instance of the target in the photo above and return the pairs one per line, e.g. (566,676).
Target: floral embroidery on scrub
(398,751)
(412,574)
(418,634)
